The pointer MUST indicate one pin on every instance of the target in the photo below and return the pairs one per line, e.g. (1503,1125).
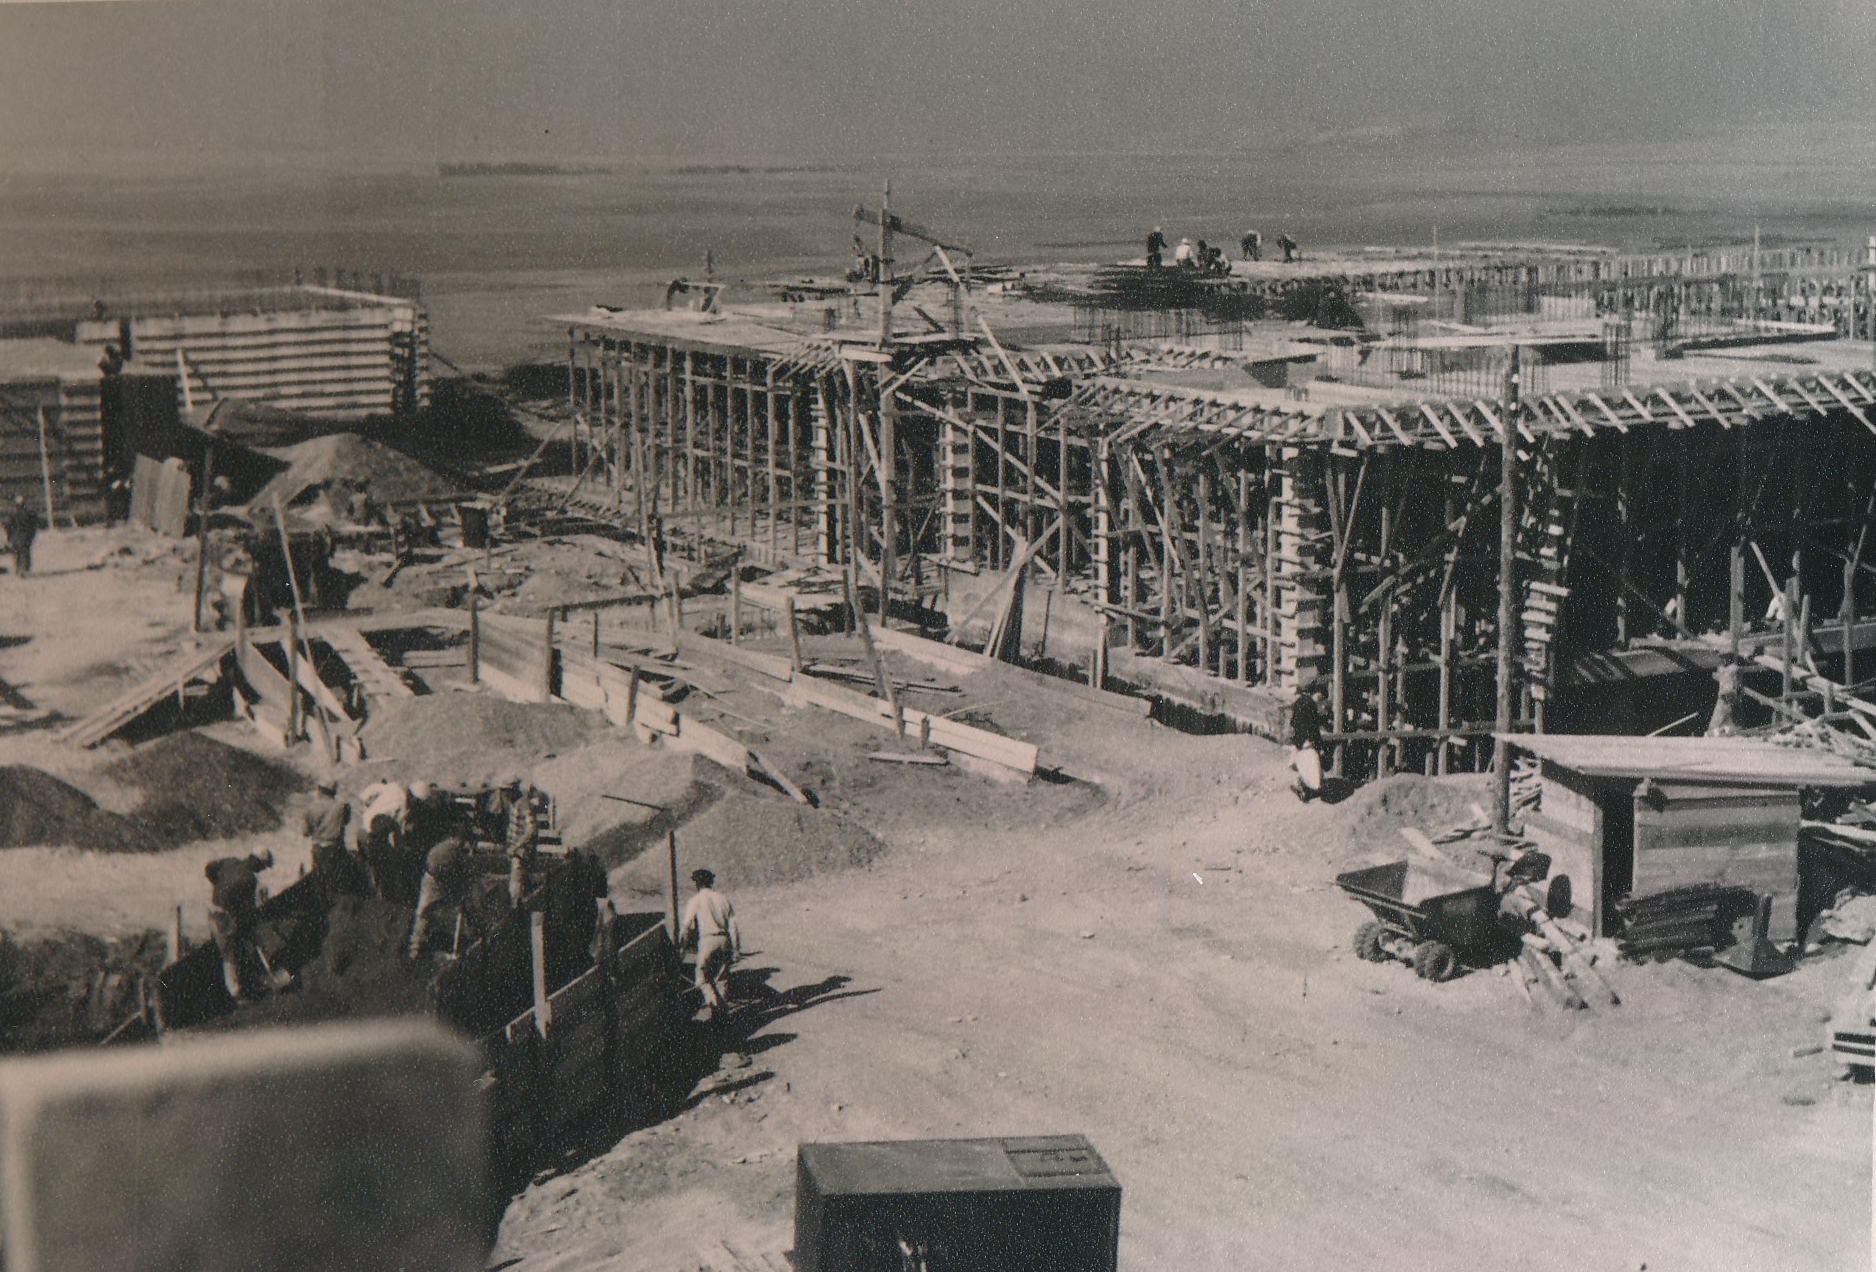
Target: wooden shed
(1636,817)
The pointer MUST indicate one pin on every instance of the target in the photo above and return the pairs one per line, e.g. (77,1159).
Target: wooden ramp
(126,707)
(379,678)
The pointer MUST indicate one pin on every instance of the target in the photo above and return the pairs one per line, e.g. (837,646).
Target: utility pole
(888,422)
(1507,593)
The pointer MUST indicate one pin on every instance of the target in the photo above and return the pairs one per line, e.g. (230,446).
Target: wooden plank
(965,662)
(949,734)
(124,708)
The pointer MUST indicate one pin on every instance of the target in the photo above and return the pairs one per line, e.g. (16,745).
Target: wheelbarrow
(1436,918)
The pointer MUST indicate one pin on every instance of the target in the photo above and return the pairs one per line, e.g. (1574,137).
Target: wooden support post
(173,954)
(1384,756)
(201,526)
(475,640)
(1787,618)
(1736,599)
(736,603)
(794,633)
(546,684)
(537,959)
(1507,592)
(670,845)
(1243,615)
(1846,615)
(595,633)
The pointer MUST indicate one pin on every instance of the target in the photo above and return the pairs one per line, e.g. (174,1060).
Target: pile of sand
(197,788)
(614,797)
(38,809)
(388,476)
(1378,810)
(360,970)
(464,737)
(755,839)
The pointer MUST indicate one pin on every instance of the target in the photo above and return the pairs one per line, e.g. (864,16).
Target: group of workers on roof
(1208,259)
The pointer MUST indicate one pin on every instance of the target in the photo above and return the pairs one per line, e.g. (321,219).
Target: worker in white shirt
(709,927)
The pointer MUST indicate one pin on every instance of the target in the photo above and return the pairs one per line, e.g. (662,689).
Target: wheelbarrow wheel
(1371,942)
(1435,961)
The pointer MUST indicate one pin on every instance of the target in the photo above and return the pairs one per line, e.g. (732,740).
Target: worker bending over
(234,909)
(709,927)
(381,827)
(446,877)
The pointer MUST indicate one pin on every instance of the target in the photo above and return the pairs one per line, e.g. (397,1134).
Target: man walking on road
(709,927)
(22,529)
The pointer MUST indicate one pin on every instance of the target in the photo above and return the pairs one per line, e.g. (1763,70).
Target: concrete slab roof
(1738,761)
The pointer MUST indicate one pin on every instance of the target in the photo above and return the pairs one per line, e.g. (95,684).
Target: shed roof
(1745,761)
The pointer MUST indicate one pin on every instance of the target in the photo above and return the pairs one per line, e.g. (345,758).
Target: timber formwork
(1272,541)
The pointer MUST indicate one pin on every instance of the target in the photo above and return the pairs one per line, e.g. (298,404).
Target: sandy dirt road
(1169,973)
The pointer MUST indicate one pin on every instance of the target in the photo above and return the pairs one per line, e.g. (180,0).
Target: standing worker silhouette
(709,927)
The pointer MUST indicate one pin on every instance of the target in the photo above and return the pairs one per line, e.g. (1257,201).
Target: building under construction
(89,381)
(1305,489)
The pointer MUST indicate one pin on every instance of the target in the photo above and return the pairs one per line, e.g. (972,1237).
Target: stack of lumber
(1553,956)
(1699,916)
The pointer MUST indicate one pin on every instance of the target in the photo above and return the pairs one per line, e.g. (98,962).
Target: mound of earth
(615,798)
(755,839)
(1376,812)
(195,788)
(37,809)
(60,990)
(360,970)
(353,462)
(473,737)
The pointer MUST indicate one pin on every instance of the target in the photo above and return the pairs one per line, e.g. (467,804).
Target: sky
(414,82)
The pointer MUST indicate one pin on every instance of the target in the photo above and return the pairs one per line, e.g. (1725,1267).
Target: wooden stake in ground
(298,638)
(880,672)
(670,843)
(794,632)
(45,468)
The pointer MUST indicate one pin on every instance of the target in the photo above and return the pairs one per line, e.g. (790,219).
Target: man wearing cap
(709,927)
(325,823)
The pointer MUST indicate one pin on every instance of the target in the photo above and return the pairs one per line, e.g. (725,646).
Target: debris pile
(197,788)
(340,464)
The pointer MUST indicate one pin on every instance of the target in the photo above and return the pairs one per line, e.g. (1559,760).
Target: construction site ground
(1144,945)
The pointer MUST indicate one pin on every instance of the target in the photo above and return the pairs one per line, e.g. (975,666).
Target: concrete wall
(333,363)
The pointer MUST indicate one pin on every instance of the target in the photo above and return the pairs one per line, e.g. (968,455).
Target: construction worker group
(412,845)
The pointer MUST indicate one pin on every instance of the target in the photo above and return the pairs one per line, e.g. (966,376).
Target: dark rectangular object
(1037,1204)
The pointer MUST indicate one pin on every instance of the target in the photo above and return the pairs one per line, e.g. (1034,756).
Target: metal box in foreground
(1042,1204)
